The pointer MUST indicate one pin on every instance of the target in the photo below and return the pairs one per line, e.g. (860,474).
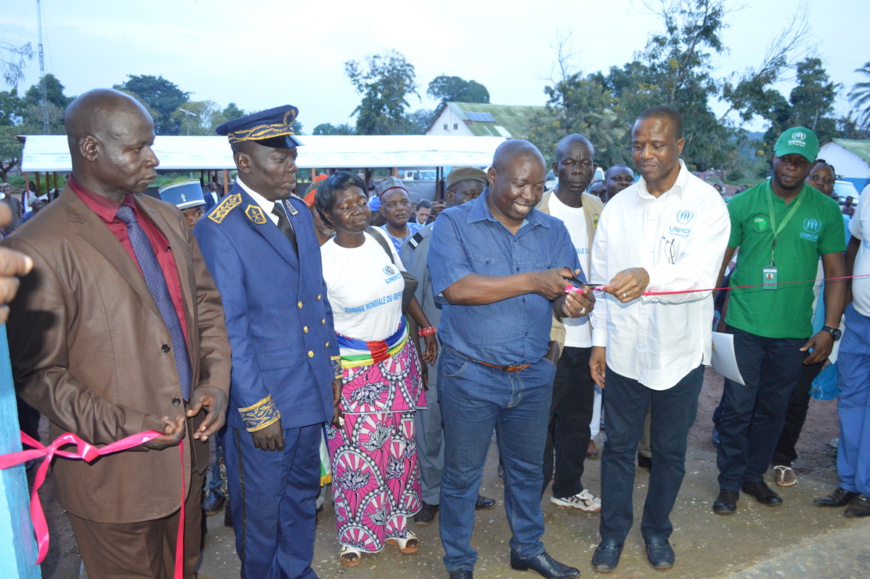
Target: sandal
(592,452)
(350,557)
(409,544)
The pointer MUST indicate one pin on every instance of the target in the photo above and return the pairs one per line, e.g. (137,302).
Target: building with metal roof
(482,120)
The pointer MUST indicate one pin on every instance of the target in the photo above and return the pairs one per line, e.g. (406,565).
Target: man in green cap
(782,227)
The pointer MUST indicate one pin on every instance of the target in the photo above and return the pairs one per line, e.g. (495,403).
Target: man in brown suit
(118,329)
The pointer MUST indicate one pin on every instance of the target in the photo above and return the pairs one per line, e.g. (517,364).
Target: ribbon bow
(84,451)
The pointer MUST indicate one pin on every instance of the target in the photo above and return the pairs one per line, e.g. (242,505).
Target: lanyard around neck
(790,211)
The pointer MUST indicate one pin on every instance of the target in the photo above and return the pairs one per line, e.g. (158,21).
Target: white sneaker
(584,500)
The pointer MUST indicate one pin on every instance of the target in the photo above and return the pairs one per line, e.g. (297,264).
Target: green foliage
(53,92)
(11,108)
(813,99)
(161,97)
(330,129)
(198,117)
(584,106)
(232,112)
(456,89)
(859,96)
(385,81)
(419,121)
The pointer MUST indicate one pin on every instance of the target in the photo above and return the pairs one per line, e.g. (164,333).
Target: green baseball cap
(797,141)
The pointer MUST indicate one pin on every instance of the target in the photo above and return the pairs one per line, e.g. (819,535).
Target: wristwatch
(835,332)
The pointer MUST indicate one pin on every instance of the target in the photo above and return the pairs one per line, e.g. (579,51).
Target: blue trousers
(474,400)
(853,454)
(753,414)
(273,502)
(672,412)
(430,441)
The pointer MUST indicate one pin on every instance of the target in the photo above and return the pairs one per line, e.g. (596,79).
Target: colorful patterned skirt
(375,476)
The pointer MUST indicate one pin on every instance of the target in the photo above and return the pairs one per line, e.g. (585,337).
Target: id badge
(768,278)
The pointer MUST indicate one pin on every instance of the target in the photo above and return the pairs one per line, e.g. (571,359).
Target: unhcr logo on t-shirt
(812,227)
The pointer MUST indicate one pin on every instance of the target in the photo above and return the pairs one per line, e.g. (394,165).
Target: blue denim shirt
(468,239)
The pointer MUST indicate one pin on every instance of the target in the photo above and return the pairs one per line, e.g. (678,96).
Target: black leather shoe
(544,565)
(606,556)
(659,552)
(484,503)
(839,498)
(426,515)
(462,574)
(762,493)
(644,461)
(726,502)
(859,507)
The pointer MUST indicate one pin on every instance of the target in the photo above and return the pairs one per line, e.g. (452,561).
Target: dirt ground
(63,561)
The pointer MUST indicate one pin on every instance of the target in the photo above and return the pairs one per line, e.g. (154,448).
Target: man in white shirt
(853,452)
(573,389)
(667,232)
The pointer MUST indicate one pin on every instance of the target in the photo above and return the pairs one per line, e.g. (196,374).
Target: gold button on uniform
(299,305)
(323,321)
(310,354)
(318,297)
(305,329)
(326,345)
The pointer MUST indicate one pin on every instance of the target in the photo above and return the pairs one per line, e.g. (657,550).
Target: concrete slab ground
(794,540)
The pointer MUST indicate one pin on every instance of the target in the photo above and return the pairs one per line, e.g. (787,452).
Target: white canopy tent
(51,153)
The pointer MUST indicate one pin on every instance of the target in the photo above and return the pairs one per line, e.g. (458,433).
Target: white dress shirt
(679,238)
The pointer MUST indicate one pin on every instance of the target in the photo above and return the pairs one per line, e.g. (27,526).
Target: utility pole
(44,88)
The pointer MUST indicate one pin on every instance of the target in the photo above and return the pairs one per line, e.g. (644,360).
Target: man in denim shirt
(498,266)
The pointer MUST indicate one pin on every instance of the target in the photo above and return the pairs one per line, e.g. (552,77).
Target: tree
(10,150)
(53,92)
(456,89)
(12,61)
(418,121)
(232,112)
(11,108)
(161,97)
(198,117)
(859,96)
(330,129)
(812,100)
(384,82)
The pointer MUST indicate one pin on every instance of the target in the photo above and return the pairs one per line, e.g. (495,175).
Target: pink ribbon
(571,288)
(88,453)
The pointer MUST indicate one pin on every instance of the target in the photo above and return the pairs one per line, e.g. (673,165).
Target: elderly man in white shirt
(667,232)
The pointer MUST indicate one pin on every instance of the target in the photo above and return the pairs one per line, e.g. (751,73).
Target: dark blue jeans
(753,414)
(474,400)
(626,402)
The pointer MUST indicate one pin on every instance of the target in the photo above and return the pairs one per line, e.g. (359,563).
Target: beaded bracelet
(430,331)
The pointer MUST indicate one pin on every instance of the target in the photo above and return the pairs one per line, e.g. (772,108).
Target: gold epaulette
(260,415)
(219,213)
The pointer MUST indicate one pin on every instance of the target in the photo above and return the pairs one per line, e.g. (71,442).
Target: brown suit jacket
(87,346)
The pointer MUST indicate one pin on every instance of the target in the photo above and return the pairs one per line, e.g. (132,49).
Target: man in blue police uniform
(259,244)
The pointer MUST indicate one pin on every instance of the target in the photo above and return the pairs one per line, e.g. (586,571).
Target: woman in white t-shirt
(376,482)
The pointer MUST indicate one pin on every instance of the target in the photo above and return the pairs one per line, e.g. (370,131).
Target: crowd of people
(287,338)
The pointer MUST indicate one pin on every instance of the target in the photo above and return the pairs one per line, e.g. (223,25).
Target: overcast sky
(263,53)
